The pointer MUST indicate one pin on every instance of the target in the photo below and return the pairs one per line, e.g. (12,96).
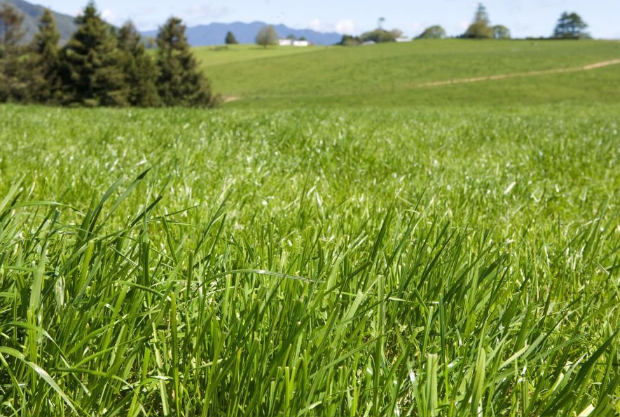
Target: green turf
(378,262)
(392,74)
(211,56)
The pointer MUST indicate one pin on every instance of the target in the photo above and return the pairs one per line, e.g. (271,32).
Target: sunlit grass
(351,263)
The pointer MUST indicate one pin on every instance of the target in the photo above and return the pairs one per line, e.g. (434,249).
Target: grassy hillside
(395,74)
(213,56)
(439,261)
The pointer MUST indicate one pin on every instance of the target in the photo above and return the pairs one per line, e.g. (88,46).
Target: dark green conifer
(138,68)
(91,70)
(181,82)
(13,80)
(45,61)
(231,39)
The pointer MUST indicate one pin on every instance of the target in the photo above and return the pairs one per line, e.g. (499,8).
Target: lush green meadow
(436,261)
(390,75)
(213,56)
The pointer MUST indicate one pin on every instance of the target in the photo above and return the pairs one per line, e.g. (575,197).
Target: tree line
(569,26)
(99,65)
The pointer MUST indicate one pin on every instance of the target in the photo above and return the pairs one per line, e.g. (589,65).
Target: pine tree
(480,28)
(45,61)
(13,86)
(180,83)
(231,39)
(91,60)
(140,72)
(482,16)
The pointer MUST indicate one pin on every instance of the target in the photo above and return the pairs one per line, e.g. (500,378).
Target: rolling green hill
(399,74)
(215,56)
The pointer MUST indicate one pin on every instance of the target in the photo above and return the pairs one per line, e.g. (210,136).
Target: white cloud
(111,17)
(416,26)
(315,24)
(345,27)
(202,13)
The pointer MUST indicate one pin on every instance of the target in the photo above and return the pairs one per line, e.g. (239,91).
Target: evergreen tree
(140,72)
(231,39)
(482,16)
(480,27)
(570,26)
(45,61)
(13,86)
(91,60)
(180,83)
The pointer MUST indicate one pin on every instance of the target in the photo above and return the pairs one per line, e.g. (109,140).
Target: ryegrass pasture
(212,56)
(390,75)
(371,262)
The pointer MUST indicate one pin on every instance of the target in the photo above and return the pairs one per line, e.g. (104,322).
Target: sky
(523,17)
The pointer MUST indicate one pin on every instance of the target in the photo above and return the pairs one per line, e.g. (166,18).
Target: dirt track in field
(521,74)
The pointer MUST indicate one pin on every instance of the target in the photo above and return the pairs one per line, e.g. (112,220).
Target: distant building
(403,39)
(291,42)
(367,43)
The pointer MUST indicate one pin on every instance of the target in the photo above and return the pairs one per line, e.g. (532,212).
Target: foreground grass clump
(422,263)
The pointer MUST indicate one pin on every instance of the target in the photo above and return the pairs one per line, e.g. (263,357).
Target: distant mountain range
(214,33)
(32,13)
(203,35)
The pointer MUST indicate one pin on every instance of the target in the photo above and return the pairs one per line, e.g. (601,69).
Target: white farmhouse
(291,42)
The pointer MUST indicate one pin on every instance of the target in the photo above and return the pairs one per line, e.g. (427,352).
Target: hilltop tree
(349,40)
(570,26)
(482,16)
(381,35)
(45,61)
(91,61)
(180,82)
(140,72)
(267,36)
(12,82)
(231,39)
(433,32)
(480,27)
(501,32)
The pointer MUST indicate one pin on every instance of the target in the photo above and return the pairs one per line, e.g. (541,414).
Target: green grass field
(392,74)
(213,56)
(370,258)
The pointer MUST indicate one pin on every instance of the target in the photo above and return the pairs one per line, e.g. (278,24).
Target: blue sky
(523,17)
